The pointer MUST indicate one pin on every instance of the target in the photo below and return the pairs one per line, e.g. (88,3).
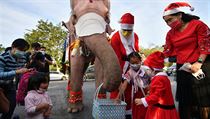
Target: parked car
(56,75)
(171,70)
(90,73)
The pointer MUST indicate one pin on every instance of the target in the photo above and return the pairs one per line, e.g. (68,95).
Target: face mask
(19,54)
(175,24)
(41,90)
(126,33)
(43,52)
(135,66)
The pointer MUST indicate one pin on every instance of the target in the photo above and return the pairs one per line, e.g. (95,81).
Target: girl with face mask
(189,39)
(38,104)
(139,80)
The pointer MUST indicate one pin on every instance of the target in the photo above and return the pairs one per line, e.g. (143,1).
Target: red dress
(139,81)
(124,47)
(160,101)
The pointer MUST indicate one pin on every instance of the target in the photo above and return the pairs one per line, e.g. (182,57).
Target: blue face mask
(19,54)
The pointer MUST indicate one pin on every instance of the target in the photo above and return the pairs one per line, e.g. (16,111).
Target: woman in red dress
(190,39)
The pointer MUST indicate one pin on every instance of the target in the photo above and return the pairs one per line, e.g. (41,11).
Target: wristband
(200,60)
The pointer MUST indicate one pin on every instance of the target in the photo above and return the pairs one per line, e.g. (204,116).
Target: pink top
(32,99)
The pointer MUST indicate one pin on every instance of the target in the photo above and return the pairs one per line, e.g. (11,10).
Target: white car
(56,75)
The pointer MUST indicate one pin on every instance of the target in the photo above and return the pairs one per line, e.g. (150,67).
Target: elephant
(97,48)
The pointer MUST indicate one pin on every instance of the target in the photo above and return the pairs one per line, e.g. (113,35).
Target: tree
(48,35)
(148,51)
(1,48)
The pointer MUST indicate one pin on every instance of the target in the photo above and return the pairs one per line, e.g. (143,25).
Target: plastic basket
(107,108)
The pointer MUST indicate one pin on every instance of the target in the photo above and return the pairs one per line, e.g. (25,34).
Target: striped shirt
(8,65)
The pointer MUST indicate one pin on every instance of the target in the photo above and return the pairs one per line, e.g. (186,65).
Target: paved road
(57,92)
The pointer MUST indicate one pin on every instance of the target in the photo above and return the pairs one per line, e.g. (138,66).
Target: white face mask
(43,52)
(135,66)
(41,90)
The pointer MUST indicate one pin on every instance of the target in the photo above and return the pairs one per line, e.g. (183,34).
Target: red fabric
(23,87)
(127,18)
(177,5)
(155,60)
(160,92)
(138,111)
(120,51)
(190,43)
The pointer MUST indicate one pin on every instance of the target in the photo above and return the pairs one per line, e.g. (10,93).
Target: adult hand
(195,67)
(22,70)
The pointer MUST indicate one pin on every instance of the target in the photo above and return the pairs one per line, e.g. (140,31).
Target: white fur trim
(180,9)
(126,43)
(169,12)
(127,26)
(144,102)
(161,74)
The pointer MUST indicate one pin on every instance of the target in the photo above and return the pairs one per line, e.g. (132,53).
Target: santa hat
(155,60)
(177,7)
(127,21)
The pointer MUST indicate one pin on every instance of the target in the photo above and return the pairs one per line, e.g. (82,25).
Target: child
(38,104)
(160,101)
(139,80)
(36,64)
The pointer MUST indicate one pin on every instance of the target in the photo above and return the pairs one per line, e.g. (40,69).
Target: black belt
(167,107)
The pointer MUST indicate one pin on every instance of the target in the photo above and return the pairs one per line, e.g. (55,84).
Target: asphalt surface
(58,93)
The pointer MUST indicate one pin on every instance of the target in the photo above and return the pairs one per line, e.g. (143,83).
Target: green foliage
(148,51)
(1,48)
(48,35)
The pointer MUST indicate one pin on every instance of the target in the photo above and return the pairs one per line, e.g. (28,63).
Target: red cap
(177,7)
(127,21)
(155,60)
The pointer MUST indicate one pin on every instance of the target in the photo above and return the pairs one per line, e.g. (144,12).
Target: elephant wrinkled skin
(107,67)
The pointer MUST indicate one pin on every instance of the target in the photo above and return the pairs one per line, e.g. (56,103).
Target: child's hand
(43,106)
(47,112)
(138,101)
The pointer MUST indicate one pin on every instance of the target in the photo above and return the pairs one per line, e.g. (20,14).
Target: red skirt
(138,111)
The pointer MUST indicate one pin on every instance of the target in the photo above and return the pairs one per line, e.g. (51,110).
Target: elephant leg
(76,81)
(101,48)
(99,77)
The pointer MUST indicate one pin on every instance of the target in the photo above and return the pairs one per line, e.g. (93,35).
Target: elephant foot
(75,102)
(76,107)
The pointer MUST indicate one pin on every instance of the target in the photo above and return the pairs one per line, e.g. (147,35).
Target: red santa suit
(122,47)
(160,100)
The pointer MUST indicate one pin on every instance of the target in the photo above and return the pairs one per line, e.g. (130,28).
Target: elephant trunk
(99,45)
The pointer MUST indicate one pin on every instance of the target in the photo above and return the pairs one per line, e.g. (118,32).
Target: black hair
(35,61)
(36,79)
(186,17)
(20,44)
(36,45)
(43,47)
(134,54)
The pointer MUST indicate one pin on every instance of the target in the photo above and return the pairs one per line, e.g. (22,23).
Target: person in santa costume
(124,42)
(138,78)
(160,100)
(190,39)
